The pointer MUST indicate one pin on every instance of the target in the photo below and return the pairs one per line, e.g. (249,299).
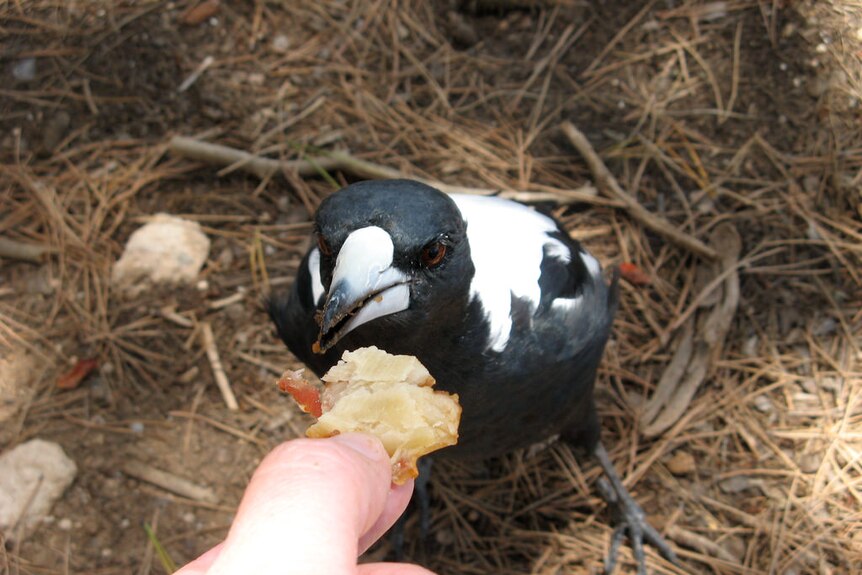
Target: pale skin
(313,506)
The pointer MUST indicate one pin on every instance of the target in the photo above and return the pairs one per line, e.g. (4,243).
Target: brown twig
(605,180)
(221,426)
(218,371)
(169,482)
(24,252)
(701,543)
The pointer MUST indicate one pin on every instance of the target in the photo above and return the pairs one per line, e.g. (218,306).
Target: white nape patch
(507,243)
(314,270)
(592,264)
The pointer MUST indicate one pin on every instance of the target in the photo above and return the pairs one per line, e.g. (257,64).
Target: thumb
(306,508)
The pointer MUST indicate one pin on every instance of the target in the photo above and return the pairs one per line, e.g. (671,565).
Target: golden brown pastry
(389,396)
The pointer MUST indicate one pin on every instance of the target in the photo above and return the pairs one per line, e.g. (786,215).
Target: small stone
(19,373)
(167,250)
(749,348)
(64,524)
(738,484)
(33,476)
(682,463)
(54,130)
(444,537)
(136,427)
(812,232)
(25,69)
(280,43)
(826,326)
(225,258)
(763,404)
(810,462)
(811,184)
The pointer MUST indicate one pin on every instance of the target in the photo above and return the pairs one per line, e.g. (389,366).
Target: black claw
(629,518)
(616,540)
(636,536)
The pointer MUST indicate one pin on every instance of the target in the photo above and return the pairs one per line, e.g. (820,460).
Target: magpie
(493,297)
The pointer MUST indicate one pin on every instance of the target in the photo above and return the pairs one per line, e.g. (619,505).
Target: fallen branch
(218,371)
(265,168)
(699,343)
(23,252)
(605,180)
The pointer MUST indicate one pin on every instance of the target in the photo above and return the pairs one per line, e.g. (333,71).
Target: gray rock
(33,476)
(167,250)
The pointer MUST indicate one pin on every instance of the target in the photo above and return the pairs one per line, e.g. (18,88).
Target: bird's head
(393,249)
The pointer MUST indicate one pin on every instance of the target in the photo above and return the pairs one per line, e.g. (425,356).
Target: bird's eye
(323,245)
(433,254)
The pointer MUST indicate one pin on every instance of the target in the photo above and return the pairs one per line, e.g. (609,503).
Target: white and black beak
(365,286)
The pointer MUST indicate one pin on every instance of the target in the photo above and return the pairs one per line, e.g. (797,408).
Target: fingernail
(365,445)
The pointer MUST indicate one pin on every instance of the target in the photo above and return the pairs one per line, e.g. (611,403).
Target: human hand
(311,508)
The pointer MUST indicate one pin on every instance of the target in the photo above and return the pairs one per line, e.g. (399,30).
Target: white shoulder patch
(314,271)
(592,265)
(507,243)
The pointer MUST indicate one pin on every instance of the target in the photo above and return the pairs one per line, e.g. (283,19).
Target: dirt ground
(745,112)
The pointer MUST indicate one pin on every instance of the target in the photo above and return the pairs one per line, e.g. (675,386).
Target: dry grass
(709,113)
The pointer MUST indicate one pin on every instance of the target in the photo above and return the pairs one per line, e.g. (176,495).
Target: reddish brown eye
(433,254)
(323,246)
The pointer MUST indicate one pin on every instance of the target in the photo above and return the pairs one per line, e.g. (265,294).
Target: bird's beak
(365,286)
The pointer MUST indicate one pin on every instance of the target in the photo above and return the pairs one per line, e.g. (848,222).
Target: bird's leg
(396,537)
(628,517)
(420,492)
(423,500)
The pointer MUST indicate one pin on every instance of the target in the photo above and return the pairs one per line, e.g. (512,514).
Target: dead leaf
(200,12)
(73,378)
(634,275)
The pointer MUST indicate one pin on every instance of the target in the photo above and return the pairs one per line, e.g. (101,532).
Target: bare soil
(745,112)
